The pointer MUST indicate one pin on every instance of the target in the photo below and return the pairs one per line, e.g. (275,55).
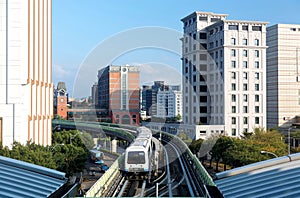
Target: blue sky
(79,26)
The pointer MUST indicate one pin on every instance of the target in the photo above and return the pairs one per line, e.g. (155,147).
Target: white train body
(138,155)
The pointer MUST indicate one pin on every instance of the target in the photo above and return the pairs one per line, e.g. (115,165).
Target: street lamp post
(267,152)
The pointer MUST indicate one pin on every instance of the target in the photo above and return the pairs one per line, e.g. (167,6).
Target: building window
(256,42)
(256,75)
(233,52)
(217,43)
(245,27)
(245,109)
(233,27)
(245,75)
(245,42)
(256,87)
(245,130)
(245,53)
(232,41)
(245,87)
(233,98)
(233,109)
(202,78)
(233,120)
(201,18)
(202,35)
(194,68)
(245,120)
(203,67)
(194,36)
(203,57)
(245,64)
(256,109)
(256,64)
(256,53)
(203,99)
(233,132)
(245,98)
(203,88)
(256,120)
(256,28)
(233,75)
(233,86)
(256,98)
(233,64)
(194,47)
(203,109)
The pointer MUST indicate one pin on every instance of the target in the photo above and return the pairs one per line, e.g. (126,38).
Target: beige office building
(224,74)
(26,89)
(283,79)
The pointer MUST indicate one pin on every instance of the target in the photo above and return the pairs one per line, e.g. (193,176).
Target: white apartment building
(283,85)
(26,89)
(169,103)
(224,73)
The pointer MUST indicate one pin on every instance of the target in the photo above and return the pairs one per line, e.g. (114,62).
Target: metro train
(138,156)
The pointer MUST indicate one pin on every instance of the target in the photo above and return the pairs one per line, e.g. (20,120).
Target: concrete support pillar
(114,146)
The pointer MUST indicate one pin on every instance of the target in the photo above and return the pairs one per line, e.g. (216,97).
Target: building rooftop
(22,179)
(277,177)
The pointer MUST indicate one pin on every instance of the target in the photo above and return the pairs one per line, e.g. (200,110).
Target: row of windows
(245,53)
(245,120)
(245,98)
(245,64)
(244,41)
(201,18)
(245,87)
(245,109)
(245,75)
(245,27)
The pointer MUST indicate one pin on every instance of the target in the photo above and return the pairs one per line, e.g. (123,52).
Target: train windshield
(136,157)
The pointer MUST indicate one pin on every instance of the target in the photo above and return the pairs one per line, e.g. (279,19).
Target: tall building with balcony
(283,74)
(26,89)
(224,72)
(119,95)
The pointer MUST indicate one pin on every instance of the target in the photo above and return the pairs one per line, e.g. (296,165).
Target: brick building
(118,94)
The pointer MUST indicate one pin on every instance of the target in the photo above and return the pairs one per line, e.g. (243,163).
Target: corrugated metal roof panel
(278,179)
(22,179)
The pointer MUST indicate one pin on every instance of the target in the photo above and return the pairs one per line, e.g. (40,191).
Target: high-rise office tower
(224,72)
(283,74)
(26,89)
(119,95)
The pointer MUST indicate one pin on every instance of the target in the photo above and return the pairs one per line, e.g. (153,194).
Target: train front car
(138,157)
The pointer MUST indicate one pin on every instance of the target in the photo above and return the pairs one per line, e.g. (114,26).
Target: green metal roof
(22,179)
